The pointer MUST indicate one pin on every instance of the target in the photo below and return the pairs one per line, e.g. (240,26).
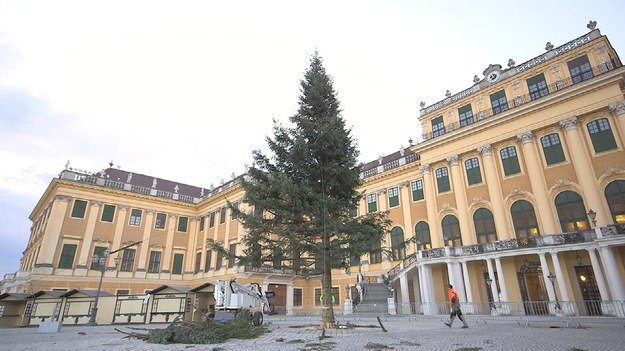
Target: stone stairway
(375,299)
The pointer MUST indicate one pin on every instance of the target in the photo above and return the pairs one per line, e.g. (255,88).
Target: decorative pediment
(517,192)
(560,182)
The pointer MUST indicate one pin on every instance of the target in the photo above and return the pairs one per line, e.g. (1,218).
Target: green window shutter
(79,209)
(498,102)
(155,262)
(99,251)
(231,257)
(393,197)
(442,180)
(182,224)
(438,127)
(552,149)
(211,221)
(372,203)
(161,218)
(219,262)
(207,260)
(128,260)
(417,190)
(108,213)
(465,115)
(177,268)
(510,161)
(67,256)
(601,135)
(472,167)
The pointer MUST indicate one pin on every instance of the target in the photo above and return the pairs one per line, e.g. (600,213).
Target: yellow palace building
(515,195)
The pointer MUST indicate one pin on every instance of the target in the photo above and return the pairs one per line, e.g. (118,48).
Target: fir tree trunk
(327,314)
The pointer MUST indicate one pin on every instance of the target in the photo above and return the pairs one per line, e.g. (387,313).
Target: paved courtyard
(403,333)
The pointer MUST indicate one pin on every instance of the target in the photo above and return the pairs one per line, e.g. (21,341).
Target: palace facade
(515,195)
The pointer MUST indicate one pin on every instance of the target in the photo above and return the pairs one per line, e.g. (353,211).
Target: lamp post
(552,279)
(489,281)
(100,263)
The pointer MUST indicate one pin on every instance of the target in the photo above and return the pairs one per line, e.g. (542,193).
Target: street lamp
(593,217)
(100,263)
(489,281)
(552,279)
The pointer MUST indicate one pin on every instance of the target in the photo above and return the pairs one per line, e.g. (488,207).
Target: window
(393,197)
(472,167)
(442,179)
(183,223)
(571,212)
(615,197)
(354,260)
(372,203)
(601,135)
(161,218)
(397,244)
(202,223)
(177,267)
(524,219)
(211,221)
(256,251)
(67,256)
(510,161)
(375,255)
(135,217)
(552,148)
(484,226)
(417,190)
(498,102)
(232,258)
(580,69)
(422,233)
(220,261)
(537,86)
(99,251)
(79,209)
(128,260)
(198,262)
(277,258)
(297,297)
(335,296)
(108,213)
(451,231)
(466,115)
(235,207)
(154,264)
(207,260)
(222,215)
(353,210)
(438,127)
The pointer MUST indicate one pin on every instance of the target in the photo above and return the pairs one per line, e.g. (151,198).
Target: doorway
(533,291)
(591,297)
(278,301)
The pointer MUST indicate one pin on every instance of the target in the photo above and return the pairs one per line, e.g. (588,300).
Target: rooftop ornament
(511,63)
(476,79)
(592,25)
(548,46)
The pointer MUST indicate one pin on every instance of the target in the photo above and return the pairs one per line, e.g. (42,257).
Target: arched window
(524,219)
(571,212)
(615,196)
(397,240)
(422,234)
(451,231)
(484,226)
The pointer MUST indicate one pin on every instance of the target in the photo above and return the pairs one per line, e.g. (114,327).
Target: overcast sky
(185,90)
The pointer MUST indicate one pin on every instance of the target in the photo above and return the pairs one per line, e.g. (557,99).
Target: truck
(232,297)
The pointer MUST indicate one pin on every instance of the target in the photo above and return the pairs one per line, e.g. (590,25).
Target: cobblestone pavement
(403,333)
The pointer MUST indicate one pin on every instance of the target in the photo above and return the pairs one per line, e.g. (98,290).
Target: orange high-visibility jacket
(451,292)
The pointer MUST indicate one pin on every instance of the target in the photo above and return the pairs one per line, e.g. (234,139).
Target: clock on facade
(493,76)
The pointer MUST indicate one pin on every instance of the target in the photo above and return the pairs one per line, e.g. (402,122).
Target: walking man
(454,304)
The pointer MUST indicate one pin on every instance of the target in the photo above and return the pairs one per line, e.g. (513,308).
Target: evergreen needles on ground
(180,332)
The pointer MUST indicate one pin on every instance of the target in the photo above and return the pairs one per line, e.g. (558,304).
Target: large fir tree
(302,198)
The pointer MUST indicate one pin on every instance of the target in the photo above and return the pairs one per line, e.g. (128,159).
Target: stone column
(618,110)
(460,195)
(584,171)
(598,271)
(84,259)
(169,246)
(145,243)
(430,307)
(405,297)
(493,284)
(564,293)
(191,246)
(430,202)
(467,281)
(52,234)
(122,219)
(405,200)
(612,273)
(494,192)
(502,281)
(538,183)
(545,268)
